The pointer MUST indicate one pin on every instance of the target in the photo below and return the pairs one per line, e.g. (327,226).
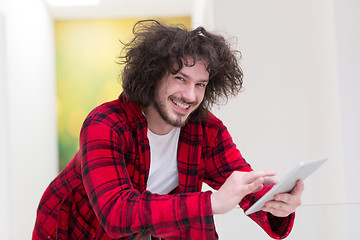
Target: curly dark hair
(157,49)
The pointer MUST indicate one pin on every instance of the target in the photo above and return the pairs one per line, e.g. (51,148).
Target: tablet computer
(301,171)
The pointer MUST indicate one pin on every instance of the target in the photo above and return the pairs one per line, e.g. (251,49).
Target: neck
(156,123)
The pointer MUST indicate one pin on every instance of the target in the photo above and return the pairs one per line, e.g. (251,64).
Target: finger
(284,206)
(299,188)
(283,197)
(285,202)
(270,181)
(276,212)
(254,175)
(279,208)
(255,186)
(293,198)
(289,198)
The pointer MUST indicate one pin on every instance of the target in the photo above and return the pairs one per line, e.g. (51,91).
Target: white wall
(31,109)
(289,110)
(348,61)
(301,101)
(4,177)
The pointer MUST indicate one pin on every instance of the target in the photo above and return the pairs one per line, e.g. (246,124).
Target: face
(179,95)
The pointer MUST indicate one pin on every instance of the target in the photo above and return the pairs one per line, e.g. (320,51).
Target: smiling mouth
(181,105)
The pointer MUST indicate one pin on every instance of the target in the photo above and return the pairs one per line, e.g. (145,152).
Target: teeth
(181,105)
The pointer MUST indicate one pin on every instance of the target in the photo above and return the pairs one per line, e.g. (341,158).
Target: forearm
(165,216)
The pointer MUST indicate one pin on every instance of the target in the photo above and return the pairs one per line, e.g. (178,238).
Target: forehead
(198,69)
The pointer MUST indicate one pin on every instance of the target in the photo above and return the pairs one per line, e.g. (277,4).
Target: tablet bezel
(301,171)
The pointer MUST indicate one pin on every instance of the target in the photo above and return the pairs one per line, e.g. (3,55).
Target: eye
(179,78)
(201,84)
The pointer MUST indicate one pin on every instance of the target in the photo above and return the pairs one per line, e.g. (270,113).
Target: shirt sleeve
(121,209)
(275,227)
(226,158)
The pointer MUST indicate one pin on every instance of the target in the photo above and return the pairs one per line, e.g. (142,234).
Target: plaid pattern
(101,193)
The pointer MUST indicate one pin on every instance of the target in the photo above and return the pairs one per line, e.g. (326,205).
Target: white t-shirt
(163,175)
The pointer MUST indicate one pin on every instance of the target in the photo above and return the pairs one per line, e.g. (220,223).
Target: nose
(189,93)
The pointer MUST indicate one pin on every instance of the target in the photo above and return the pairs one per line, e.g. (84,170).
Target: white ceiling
(124,9)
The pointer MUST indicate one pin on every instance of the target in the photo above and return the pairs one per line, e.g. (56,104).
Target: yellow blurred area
(87,72)
(75,117)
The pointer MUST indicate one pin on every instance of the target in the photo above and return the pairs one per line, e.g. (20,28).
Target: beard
(179,121)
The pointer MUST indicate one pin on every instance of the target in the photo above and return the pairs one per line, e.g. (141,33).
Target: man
(144,157)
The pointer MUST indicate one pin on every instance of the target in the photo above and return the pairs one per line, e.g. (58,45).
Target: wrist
(214,204)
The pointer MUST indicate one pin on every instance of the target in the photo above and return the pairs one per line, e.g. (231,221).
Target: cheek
(160,93)
(201,95)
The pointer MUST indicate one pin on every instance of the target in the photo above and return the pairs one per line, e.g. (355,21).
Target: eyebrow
(187,76)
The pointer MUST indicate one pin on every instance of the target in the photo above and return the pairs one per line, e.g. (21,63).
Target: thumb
(299,187)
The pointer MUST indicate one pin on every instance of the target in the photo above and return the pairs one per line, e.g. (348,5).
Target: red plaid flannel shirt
(101,193)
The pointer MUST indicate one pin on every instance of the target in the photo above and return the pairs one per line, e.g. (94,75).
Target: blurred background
(300,102)
(86,55)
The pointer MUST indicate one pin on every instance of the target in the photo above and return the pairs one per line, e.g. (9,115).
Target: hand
(285,203)
(238,185)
